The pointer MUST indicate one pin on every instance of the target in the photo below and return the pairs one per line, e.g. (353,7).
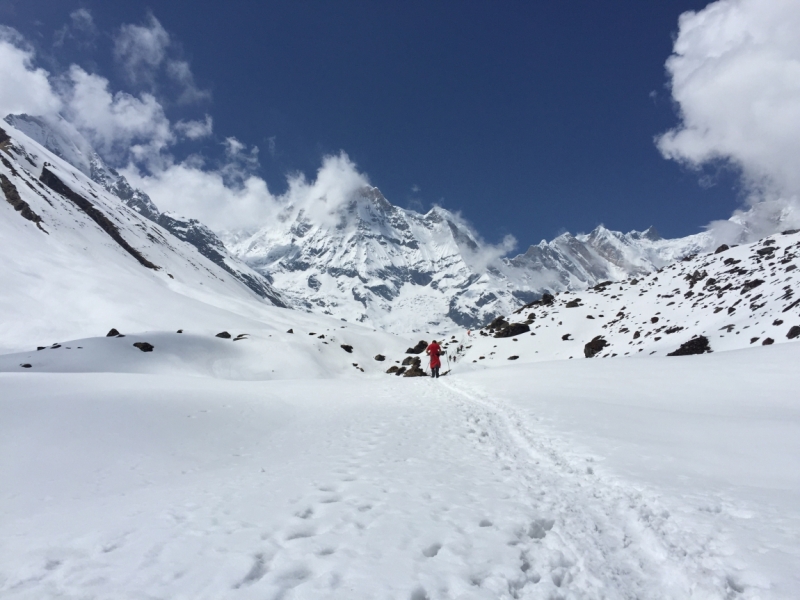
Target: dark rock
(794,332)
(777,322)
(753,340)
(790,231)
(144,346)
(415,371)
(515,357)
(546,300)
(674,329)
(54,346)
(347,348)
(654,319)
(26,365)
(768,342)
(180,331)
(765,251)
(392,369)
(224,335)
(40,348)
(54,183)
(112,333)
(410,360)
(380,357)
(512,329)
(751,285)
(419,348)
(400,371)
(575,303)
(14,199)
(596,346)
(698,345)
(637,335)
(290,331)
(566,336)
(722,248)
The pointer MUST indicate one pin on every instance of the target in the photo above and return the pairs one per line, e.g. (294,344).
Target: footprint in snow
(432,550)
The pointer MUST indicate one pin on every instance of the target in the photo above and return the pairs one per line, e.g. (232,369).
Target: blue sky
(530,118)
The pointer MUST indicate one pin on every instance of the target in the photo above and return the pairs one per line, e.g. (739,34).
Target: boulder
(180,331)
(410,360)
(380,357)
(290,331)
(419,348)
(400,371)
(112,333)
(347,348)
(566,337)
(415,371)
(224,335)
(515,357)
(697,345)
(595,346)
(512,329)
(392,369)
(768,342)
(573,303)
(144,346)
(26,365)
(722,248)
(794,331)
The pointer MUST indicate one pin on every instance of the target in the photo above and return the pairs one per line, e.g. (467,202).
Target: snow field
(612,479)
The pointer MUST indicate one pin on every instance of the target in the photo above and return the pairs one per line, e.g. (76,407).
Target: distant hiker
(434,351)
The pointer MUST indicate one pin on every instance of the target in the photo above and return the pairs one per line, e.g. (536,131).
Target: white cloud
(181,74)
(146,53)
(141,49)
(119,125)
(23,88)
(81,28)
(195,130)
(735,76)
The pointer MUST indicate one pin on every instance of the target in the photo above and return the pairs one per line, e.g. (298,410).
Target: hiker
(434,351)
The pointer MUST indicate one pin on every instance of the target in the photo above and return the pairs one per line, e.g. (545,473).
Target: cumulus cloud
(119,125)
(230,198)
(195,130)
(735,77)
(24,88)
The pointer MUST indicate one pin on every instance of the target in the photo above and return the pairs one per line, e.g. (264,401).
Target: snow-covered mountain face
(63,140)
(369,261)
(75,257)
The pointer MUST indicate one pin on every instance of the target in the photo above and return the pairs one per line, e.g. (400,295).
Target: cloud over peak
(735,77)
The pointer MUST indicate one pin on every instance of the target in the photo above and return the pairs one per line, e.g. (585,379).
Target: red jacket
(433,351)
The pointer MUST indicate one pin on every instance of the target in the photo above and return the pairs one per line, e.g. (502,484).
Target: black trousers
(435,372)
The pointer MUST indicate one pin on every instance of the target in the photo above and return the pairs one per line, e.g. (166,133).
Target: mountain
(77,259)
(63,140)
(369,261)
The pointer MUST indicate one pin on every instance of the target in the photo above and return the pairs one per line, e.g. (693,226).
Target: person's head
(434,342)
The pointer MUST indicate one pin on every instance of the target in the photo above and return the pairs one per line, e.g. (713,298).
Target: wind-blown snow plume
(735,76)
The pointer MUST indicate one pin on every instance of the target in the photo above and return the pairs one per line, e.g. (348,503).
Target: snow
(647,477)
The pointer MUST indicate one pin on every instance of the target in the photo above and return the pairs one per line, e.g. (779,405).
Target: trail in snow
(160,487)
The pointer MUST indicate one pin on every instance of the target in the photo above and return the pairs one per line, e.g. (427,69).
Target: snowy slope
(735,298)
(654,478)
(62,139)
(77,261)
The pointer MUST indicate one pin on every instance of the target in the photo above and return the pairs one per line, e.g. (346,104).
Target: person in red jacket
(434,351)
